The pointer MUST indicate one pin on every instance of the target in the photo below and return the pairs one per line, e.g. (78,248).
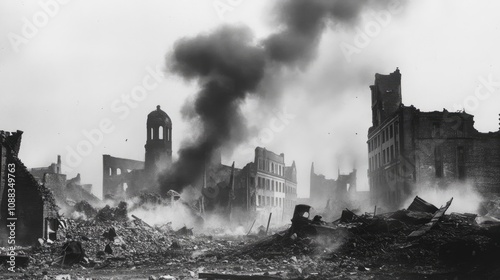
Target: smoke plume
(229,64)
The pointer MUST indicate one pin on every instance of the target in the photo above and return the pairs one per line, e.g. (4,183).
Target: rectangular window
(436,129)
(438,161)
(259,199)
(392,152)
(397,149)
(461,162)
(391,132)
(383,159)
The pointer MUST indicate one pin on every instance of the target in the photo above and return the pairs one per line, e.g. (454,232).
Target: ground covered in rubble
(371,248)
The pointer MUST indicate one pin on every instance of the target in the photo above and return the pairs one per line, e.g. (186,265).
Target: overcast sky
(70,68)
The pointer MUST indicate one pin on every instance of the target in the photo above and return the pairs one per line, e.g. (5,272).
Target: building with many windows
(408,149)
(267,186)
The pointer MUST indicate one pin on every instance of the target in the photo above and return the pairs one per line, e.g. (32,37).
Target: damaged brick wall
(411,148)
(34,203)
(117,172)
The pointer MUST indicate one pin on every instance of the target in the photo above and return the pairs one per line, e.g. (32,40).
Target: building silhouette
(409,149)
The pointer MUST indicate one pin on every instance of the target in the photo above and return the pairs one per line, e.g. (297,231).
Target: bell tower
(159,141)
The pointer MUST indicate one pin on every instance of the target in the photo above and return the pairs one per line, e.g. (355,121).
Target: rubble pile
(84,207)
(455,242)
(420,240)
(108,213)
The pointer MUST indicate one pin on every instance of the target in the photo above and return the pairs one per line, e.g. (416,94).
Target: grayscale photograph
(249,139)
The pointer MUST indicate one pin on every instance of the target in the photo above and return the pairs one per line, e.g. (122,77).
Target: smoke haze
(229,64)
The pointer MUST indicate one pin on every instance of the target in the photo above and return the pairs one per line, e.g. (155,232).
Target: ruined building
(218,186)
(126,177)
(330,193)
(34,210)
(267,185)
(65,191)
(409,148)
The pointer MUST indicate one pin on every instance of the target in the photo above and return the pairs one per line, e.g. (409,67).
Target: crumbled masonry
(356,245)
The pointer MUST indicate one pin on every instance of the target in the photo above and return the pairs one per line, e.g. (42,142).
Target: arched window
(118,171)
(160,133)
(151,134)
(110,171)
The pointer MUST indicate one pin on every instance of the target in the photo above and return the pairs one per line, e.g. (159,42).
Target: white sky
(66,76)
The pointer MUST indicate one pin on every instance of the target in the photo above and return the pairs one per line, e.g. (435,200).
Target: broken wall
(34,204)
(120,174)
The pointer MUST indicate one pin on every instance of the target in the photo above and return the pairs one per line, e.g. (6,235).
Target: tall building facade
(408,149)
(276,189)
(267,186)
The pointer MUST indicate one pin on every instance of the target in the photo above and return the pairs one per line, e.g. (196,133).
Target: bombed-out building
(409,148)
(23,201)
(331,193)
(65,191)
(127,177)
(218,187)
(267,185)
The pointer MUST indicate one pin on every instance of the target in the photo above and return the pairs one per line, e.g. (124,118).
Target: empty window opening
(161,133)
(438,158)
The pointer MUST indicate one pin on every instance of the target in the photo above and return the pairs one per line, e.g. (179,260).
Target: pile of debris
(115,243)
(108,213)
(417,239)
(84,207)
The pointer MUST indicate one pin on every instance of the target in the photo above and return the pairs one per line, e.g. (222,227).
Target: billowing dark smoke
(228,65)
(303,23)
